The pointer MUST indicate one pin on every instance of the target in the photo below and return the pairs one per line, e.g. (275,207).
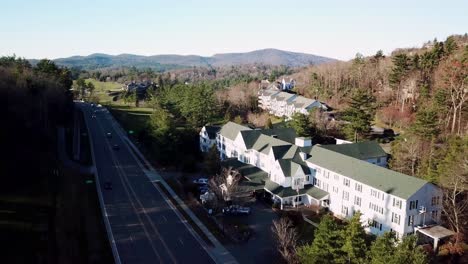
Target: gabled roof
(284,192)
(287,134)
(382,179)
(212,130)
(361,150)
(231,129)
(255,177)
(289,167)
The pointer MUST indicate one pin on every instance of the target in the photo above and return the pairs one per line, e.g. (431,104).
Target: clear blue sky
(338,29)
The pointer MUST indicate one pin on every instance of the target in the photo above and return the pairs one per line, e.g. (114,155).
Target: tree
(408,252)
(301,124)
(354,236)
(211,161)
(198,104)
(238,120)
(426,125)
(90,87)
(406,154)
(225,184)
(382,249)
(81,86)
(327,244)
(359,114)
(161,122)
(286,239)
(454,78)
(269,124)
(453,171)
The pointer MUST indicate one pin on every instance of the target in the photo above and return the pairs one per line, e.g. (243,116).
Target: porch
(287,197)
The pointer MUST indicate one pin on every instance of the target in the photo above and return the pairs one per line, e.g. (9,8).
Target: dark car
(109,135)
(108,185)
(236,210)
(115,147)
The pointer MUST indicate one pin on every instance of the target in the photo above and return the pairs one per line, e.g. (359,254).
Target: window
(373,193)
(234,153)
(395,218)
(378,160)
(410,220)
(357,200)
(413,205)
(337,177)
(375,224)
(397,203)
(307,177)
(434,215)
(327,174)
(435,200)
(325,187)
(247,159)
(335,189)
(376,208)
(317,183)
(319,170)
(344,210)
(358,187)
(345,195)
(346,182)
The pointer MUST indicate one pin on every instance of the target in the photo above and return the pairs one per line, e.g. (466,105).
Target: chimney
(303,155)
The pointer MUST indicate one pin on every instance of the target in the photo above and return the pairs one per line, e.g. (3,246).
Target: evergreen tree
(161,122)
(326,247)
(408,252)
(401,67)
(383,249)
(426,125)
(212,162)
(360,115)
(354,237)
(269,124)
(302,125)
(238,120)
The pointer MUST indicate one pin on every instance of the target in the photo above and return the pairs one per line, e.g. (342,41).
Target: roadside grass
(130,119)
(102,89)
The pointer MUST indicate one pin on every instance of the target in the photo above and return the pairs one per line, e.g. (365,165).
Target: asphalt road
(145,228)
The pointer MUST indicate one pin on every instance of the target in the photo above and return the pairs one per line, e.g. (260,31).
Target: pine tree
(359,114)
(425,125)
(383,249)
(408,252)
(326,247)
(269,124)
(212,162)
(354,236)
(302,125)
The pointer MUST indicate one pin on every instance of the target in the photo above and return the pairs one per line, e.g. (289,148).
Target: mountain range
(264,56)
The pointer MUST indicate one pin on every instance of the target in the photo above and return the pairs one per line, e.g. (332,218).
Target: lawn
(102,88)
(131,118)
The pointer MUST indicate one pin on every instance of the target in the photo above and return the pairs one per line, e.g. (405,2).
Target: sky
(337,29)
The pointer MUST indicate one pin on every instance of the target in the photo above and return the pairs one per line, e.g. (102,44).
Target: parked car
(109,135)
(236,210)
(115,147)
(203,189)
(201,181)
(93,116)
(108,185)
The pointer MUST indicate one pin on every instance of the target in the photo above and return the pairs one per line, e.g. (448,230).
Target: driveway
(260,248)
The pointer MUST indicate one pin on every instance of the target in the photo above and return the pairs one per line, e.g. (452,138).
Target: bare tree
(286,237)
(455,188)
(225,184)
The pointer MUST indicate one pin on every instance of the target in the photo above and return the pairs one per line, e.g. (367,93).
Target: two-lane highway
(144,227)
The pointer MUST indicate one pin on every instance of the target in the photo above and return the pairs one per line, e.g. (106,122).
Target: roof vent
(274,136)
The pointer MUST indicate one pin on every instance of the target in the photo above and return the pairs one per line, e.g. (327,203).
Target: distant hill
(265,56)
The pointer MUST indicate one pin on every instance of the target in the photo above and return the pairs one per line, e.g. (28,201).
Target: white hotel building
(344,178)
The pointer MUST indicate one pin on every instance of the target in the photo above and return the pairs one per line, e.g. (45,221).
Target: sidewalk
(218,251)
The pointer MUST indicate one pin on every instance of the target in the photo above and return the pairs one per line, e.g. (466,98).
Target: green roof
(255,177)
(231,129)
(388,181)
(284,192)
(361,150)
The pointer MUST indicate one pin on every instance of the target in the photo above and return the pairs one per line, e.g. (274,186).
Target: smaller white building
(208,137)
(284,104)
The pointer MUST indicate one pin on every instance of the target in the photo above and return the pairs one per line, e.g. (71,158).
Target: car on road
(109,135)
(201,181)
(107,185)
(93,116)
(236,210)
(115,147)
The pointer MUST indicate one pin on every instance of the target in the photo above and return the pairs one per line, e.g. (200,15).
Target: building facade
(284,104)
(344,178)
